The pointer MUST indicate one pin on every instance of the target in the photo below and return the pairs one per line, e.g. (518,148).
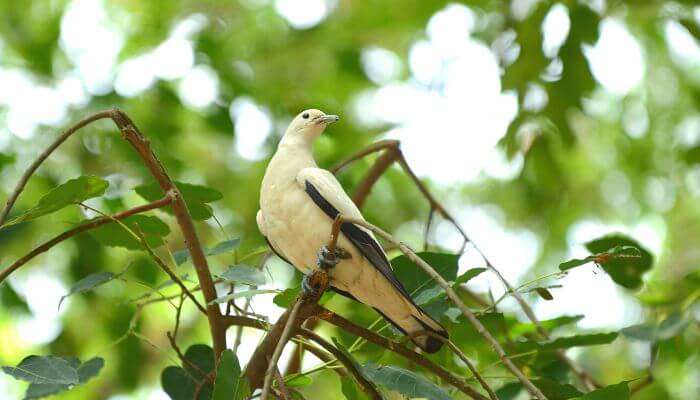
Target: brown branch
(380,166)
(398,348)
(142,146)
(170,273)
(256,369)
(367,386)
(241,321)
(272,363)
(461,356)
(373,148)
(184,220)
(435,205)
(456,300)
(43,156)
(165,201)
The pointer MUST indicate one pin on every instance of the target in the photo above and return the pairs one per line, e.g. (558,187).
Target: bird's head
(308,125)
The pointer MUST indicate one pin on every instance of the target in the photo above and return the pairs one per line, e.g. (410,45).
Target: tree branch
(456,300)
(367,386)
(435,205)
(286,332)
(461,356)
(44,155)
(184,220)
(398,348)
(165,201)
(142,146)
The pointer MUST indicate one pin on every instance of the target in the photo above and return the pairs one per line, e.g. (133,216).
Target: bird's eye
(305,116)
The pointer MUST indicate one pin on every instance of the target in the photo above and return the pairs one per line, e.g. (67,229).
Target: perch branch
(165,201)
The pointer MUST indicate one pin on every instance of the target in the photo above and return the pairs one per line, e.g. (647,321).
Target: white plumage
(298,202)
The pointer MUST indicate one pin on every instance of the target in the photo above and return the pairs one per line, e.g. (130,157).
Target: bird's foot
(307,286)
(328,261)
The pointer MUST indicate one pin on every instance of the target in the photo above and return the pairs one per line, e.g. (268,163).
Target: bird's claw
(307,287)
(327,261)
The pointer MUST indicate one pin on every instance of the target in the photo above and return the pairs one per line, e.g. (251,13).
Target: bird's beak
(328,119)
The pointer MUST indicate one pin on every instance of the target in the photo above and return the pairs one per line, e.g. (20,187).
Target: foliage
(586,162)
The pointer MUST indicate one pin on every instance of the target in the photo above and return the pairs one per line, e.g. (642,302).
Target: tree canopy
(555,142)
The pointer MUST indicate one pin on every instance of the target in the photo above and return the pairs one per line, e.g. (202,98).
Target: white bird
(298,203)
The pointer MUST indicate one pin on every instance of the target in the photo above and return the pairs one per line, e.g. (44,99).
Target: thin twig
(456,300)
(182,215)
(158,260)
(428,224)
(167,200)
(367,386)
(461,356)
(288,327)
(398,348)
(388,145)
(43,156)
(142,147)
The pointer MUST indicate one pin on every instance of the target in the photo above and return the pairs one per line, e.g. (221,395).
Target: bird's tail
(418,321)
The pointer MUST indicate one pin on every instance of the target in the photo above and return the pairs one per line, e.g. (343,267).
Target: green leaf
(575,262)
(244,274)
(427,295)
(549,325)
(286,298)
(44,370)
(568,341)
(88,283)
(181,383)
(196,197)
(299,381)
(468,274)
(114,234)
(464,332)
(229,383)
(623,267)
(6,159)
(11,300)
(90,368)
(182,256)
(73,191)
(86,371)
(405,382)
(544,293)
(554,390)
(353,361)
(415,280)
(618,391)
(246,294)
(351,389)
(225,246)
(671,326)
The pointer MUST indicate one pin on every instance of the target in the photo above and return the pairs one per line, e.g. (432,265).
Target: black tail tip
(432,345)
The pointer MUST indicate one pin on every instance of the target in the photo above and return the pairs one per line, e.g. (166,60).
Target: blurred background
(541,125)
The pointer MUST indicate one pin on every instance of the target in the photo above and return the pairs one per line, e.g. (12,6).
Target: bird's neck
(295,155)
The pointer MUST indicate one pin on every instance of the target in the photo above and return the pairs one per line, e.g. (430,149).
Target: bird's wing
(326,192)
